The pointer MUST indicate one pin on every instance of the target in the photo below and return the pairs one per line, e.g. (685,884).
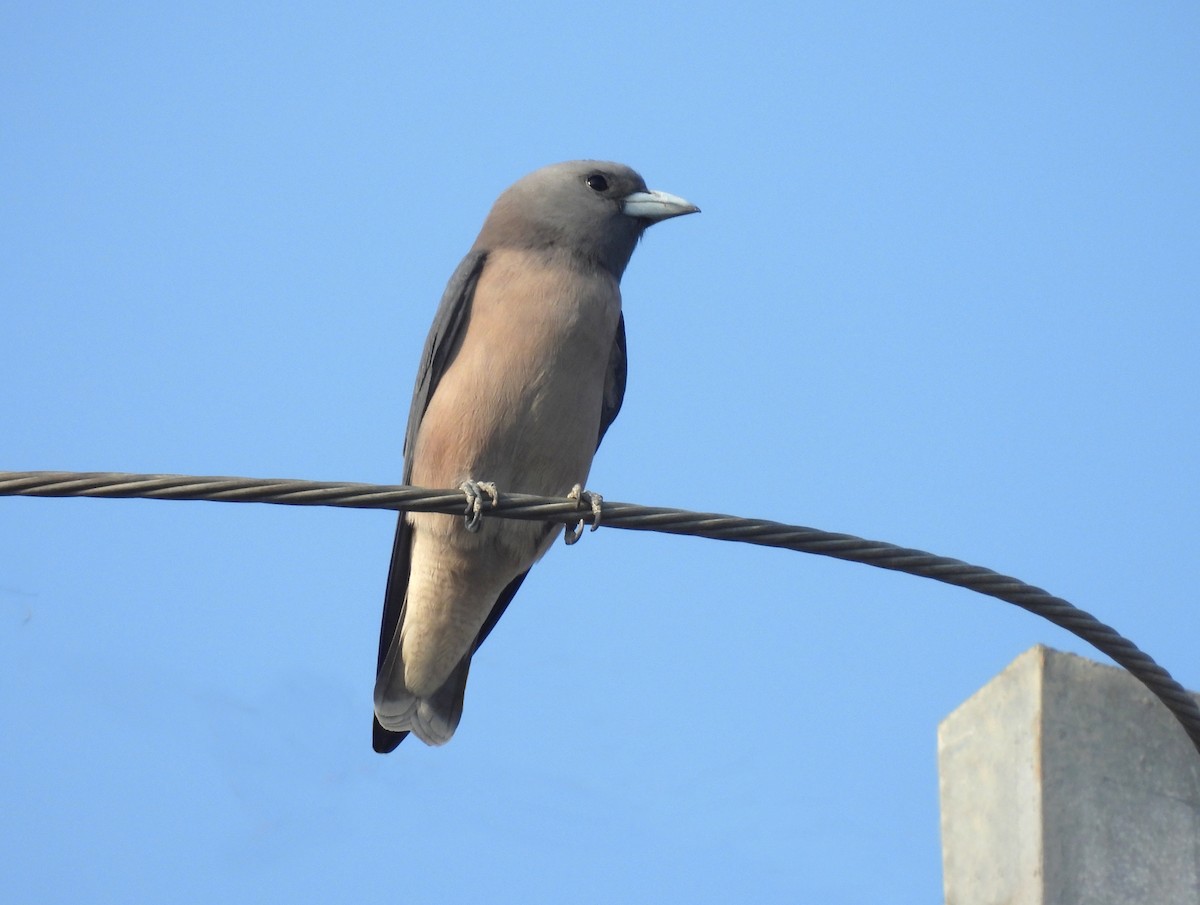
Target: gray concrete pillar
(1065,782)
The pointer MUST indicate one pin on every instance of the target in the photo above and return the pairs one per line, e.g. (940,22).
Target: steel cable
(635,518)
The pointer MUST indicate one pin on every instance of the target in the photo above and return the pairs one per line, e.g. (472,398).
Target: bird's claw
(594,500)
(475,491)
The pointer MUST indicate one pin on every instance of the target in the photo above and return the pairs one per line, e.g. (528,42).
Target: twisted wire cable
(635,518)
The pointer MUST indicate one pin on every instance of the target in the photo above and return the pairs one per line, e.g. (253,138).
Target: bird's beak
(655,206)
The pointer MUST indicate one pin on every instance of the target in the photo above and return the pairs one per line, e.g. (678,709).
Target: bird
(520,377)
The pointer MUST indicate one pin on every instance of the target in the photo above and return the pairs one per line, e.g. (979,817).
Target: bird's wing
(444,337)
(614,381)
(451,317)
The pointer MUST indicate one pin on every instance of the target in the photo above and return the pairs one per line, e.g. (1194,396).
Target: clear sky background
(943,292)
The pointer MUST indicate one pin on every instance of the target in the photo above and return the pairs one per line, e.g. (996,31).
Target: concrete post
(1065,782)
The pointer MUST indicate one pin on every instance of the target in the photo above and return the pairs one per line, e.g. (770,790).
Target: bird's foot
(475,491)
(581,496)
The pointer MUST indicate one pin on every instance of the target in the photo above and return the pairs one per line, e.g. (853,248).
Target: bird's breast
(520,403)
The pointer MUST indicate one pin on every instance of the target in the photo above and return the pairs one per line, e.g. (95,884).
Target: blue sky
(943,292)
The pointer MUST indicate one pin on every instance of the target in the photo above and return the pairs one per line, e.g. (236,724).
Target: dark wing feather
(442,343)
(440,346)
(614,383)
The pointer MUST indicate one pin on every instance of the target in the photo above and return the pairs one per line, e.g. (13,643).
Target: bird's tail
(432,719)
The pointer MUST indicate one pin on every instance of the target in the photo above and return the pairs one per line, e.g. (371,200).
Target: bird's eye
(597,183)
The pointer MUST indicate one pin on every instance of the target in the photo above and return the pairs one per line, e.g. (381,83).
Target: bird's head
(590,208)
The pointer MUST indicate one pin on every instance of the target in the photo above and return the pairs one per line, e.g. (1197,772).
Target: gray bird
(522,374)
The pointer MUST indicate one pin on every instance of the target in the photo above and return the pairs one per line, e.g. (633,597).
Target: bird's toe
(595,501)
(475,492)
